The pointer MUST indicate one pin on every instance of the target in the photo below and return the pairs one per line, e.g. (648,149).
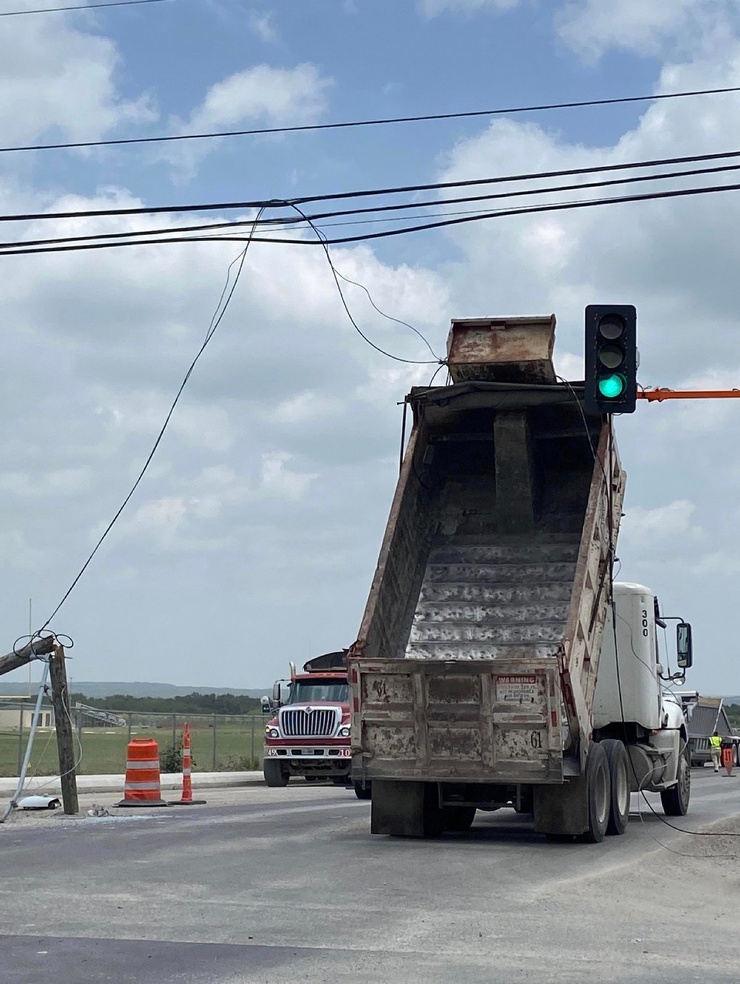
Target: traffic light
(611,358)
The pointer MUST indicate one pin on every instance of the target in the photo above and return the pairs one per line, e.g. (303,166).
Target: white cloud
(263,26)
(275,96)
(668,522)
(259,96)
(648,27)
(718,563)
(54,78)
(161,519)
(277,479)
(306,407)
(432,8)
(54,482)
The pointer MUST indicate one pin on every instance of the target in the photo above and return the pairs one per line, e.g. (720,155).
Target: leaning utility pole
(64,730)
(21,657)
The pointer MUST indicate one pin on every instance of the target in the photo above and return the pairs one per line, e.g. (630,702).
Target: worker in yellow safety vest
(715,745)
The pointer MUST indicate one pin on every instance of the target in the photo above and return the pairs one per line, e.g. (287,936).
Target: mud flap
(405,809)
(561,809)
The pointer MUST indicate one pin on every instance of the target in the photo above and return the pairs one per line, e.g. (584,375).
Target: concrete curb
(51,786)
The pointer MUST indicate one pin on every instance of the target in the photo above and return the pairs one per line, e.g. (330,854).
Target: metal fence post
(214,743)
(129,725)
(174,730)
(20,739)
(251,744)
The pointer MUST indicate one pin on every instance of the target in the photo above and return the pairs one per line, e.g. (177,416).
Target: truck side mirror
(683,645)
(266,705)
(276,691)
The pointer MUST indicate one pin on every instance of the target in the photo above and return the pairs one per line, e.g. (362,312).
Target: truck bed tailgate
(462,721)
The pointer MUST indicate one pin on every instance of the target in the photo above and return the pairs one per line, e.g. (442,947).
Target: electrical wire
(308,127)
(389,317)
(218,315)
(369,193)
(368,237)
(322,240)
(82,6)
(288,222)
(219,312)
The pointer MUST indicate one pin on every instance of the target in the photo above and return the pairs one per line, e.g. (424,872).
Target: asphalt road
(287,886)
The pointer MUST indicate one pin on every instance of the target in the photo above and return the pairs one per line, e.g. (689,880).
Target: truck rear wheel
(598,794)
(619,808)
(363,790)
(676,799)
(275,775)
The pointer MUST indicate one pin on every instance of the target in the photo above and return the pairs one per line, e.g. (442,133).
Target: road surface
(288,886)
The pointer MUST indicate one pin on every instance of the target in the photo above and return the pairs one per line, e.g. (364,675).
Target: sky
(253,536)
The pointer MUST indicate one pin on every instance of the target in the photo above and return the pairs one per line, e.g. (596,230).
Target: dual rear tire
(607,792)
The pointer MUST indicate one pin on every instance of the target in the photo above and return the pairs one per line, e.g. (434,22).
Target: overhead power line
(381,211)
(302,128)
(81,6)
(368,193)
(366,237)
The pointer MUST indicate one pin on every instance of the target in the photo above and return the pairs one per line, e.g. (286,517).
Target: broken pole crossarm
(24,655)
(64,731)
(661,393)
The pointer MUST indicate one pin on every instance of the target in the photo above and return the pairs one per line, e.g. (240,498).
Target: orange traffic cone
(187,782)
(142,787)
(728,758)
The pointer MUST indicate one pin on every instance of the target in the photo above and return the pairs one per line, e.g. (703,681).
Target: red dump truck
(496,663)
(308,736)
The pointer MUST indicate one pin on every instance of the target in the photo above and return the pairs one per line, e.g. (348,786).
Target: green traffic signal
(612,386)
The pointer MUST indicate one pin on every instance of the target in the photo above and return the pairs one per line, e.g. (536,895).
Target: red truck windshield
(311,691)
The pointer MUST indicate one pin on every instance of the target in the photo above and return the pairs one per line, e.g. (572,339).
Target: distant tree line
(733,714)
(189,704)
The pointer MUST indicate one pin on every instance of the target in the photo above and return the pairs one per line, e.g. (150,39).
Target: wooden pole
(14,660)
(64,730)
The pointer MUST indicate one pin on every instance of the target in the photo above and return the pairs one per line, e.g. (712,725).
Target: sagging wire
(322,239)
(218,315)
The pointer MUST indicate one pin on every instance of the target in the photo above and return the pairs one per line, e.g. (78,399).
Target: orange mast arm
(663,393)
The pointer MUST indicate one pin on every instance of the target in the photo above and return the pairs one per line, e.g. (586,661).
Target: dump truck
(308,736)
(497,665)
(704,716)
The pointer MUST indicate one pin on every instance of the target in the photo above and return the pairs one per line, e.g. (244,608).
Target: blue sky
(253,538)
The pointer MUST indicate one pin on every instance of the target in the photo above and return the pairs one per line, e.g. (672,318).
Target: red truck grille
(314,723)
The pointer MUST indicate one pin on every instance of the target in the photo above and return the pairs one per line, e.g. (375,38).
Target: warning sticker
(517,690)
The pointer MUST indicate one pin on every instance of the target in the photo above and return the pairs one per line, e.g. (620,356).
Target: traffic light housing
(611,359)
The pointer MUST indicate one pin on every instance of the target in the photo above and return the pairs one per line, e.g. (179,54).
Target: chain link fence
(219,742)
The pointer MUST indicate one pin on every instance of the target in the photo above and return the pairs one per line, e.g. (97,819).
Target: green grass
(237,748)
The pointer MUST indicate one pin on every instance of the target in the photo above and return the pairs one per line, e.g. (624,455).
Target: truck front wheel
(676,799)
(275,775)
(619,809)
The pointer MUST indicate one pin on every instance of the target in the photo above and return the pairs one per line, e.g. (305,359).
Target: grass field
(224,748)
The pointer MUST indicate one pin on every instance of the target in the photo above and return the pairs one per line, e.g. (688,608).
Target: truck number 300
(644,622)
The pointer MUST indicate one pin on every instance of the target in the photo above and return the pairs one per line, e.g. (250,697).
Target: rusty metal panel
(493,721)
(502,349)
